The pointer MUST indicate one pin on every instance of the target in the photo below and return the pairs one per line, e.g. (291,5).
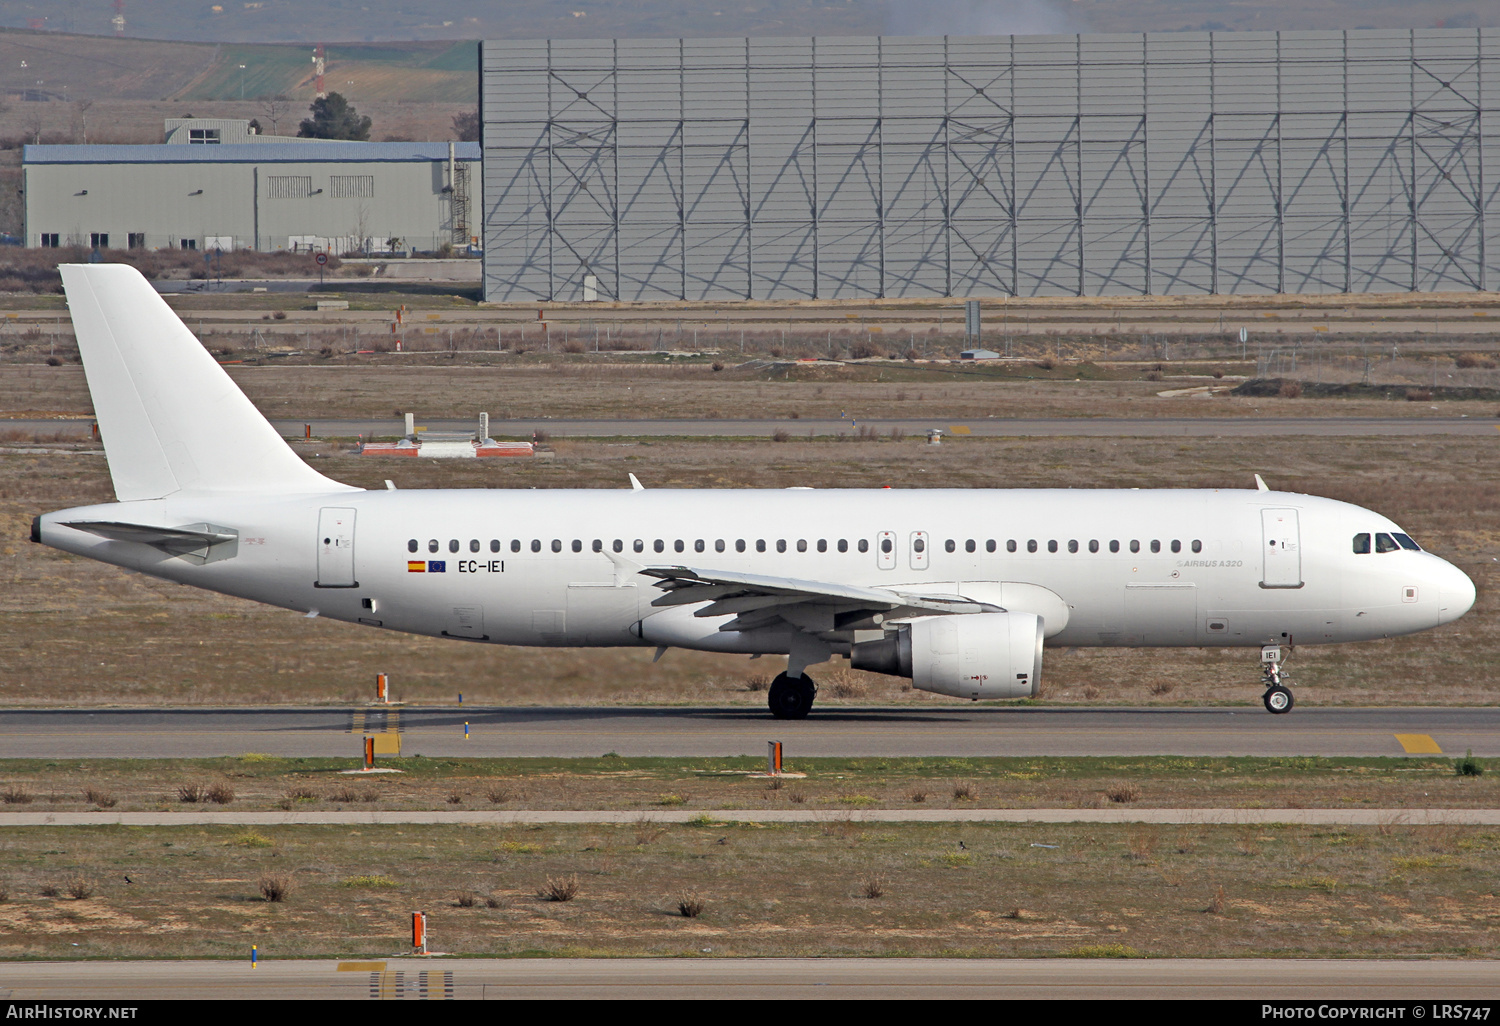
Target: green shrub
(1468,766)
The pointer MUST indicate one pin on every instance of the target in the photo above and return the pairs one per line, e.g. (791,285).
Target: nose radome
(1455,593)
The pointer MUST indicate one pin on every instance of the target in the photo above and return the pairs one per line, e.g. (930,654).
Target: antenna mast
(318,55)
(119,19)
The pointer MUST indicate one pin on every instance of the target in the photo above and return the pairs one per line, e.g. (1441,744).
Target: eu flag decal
(437,566)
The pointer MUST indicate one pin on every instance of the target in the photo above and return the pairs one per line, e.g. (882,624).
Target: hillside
(260,21)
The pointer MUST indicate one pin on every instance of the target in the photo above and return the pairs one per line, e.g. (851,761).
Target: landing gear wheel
(791,698)
(1278,699)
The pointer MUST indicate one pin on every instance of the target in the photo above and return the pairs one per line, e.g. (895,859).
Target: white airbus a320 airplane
(956,589)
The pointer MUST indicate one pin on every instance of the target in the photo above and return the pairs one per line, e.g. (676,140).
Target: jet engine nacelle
(970,655)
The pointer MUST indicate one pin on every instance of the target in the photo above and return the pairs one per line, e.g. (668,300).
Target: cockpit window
(1361,544)
(1385,543)
(1406,542)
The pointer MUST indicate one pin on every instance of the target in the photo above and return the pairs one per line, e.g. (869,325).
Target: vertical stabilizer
(171,419)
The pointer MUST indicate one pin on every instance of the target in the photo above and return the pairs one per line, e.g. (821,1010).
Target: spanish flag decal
(416,566)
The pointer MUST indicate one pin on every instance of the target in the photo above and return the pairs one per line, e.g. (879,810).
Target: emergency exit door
(1281,549)
(336,548)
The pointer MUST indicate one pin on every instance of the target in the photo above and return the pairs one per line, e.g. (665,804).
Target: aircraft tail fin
(170,417)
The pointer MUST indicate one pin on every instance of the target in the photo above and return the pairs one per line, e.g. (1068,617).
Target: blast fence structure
(846,168)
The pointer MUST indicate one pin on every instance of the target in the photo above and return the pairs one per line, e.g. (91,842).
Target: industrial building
(833,168)
(340,197)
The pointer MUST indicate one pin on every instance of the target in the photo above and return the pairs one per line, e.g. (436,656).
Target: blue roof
(248,153)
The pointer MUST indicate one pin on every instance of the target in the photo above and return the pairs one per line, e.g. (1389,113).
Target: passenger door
(885,550)
(336,549)
(1281,549)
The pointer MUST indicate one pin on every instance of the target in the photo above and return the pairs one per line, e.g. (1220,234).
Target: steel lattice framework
(832,168)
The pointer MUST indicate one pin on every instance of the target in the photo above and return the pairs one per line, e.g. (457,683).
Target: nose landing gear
(1278,697)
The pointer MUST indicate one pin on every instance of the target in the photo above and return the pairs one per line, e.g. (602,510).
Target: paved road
(522,817)
(991,427)
(953,729)
(777,978)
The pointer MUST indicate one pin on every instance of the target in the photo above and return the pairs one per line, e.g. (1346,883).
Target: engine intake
(973,655)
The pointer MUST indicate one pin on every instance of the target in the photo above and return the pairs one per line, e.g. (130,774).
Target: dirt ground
(78,632)
(434,387)
(975,890)
(718,785)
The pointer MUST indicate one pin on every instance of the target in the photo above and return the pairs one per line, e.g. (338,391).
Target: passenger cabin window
(1114,546)
(432,546)
(494,544)
(598,545)
(719,545)
(1073,545)
(1385,543)
(822,545)
(760,545)
(989,546)
(577,545)
(473,544)
(969,545)
(677,545)
(843,545)
(659,545)
(1197,545)
(1052,546)
(1176,545)
(739,545)
(1093,545)
(886,545)
(1406,542)
(453,545)
(1031,545)
(618,546)
(1135,546)
(536,545)
(921,546)
(638,545)
(948,546)
(412,545)
(1155,545)
(556,544)
(1010,546)
(801,544)
(515,545)
(864,545)
(780,544)
(698,545)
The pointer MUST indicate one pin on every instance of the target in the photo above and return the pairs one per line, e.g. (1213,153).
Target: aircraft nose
(1455,593)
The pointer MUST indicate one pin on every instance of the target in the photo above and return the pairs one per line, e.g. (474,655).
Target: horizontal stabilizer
(197,543)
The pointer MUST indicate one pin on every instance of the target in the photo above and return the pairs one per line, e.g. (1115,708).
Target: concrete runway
(436,979)
(985,427)
(955,729)
(205,816)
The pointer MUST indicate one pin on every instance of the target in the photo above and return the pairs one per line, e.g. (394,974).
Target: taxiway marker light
(254,956)
(773,758)
(383,688)
(466,730)
(419,932)
(369,752)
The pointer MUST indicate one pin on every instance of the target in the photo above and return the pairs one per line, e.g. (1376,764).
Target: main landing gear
(791,698)
(1278,697)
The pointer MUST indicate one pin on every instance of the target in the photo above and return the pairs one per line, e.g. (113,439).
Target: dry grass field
(832,786)
(435,386)
(835,888)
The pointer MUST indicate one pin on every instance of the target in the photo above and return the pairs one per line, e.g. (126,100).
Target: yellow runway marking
(1419,744)
(361,967)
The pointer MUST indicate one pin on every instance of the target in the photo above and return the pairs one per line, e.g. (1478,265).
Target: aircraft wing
(198,543)
(815,606)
